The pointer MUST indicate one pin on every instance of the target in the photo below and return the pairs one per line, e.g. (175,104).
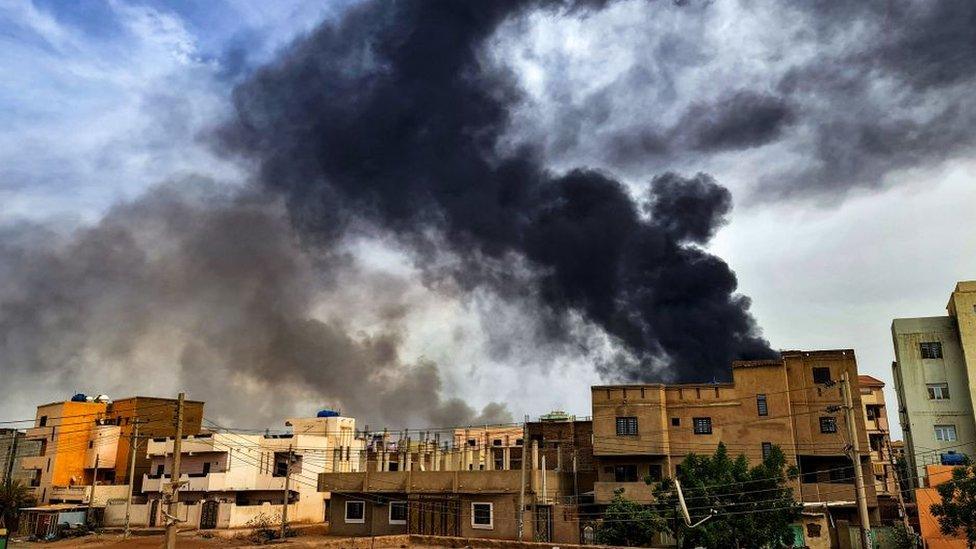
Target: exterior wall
(925,498)
(872,396)
(64,441)
(14,447)
(917,413)
(962,307)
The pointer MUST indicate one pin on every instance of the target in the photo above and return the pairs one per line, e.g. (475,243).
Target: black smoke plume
(391,116)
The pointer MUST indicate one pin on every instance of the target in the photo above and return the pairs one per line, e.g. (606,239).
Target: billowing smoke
(208,286)
(391,116)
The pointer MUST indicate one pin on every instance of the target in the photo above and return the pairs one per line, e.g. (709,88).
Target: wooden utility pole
(861,496)
(521,504)
(284,504)
(172,523)
(133,444)
(901,498)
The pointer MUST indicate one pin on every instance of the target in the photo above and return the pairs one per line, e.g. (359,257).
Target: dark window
(821,375)
(91,443)
(871,412)
(828,424)
(930,349)
(761,405)
(654,472)
(841,475)
(398,512)
(472,442)
(626,426)
(518,442)
(206,468)
(813,530)
(767,449)
(43,422)
(625,473)
(394,466)
(481,515)
(280,469)
(159,470)
(355,511)
(496,442)
(675,422)
(703,425)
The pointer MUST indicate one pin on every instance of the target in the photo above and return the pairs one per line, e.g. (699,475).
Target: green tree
(752,506)
(13,496)
(628,523)
(957,512)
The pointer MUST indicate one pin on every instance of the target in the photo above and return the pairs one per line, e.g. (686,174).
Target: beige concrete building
(645,431)
(876,423)
(935,379)
(234,479)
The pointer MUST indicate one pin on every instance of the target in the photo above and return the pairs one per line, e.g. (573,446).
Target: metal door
(208,515)
(434,516)
(543,523)
(153,511)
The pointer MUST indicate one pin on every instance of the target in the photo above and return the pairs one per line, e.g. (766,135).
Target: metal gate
(543,523)
(208,515)
(434,516)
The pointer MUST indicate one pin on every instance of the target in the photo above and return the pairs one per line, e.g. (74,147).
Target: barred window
(626,426)
(828,424)
(703,425)
(930,349)
(761,405)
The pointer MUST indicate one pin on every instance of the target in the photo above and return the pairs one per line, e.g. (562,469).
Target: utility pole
(284,504)
(862,503)
(133,444)
(521,506)
(172,523)
(901,498)
(91,495)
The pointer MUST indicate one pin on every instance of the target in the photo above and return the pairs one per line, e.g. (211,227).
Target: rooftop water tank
(79,397)
(327,413)
(102,398)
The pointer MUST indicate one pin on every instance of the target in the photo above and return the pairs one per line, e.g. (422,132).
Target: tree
(753,506)
(957,512)
(628,523)
(14,495)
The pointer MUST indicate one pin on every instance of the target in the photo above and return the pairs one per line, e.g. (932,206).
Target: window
(91,443)
(821,375)
(945,433)
(841,475)
(761,405)
(626,426)
(930,349)
(938,391)
(398,512)
(676,422)
(654,472)
(496,442)
(481,516)
(472,442)
(625,473)
(703,425)
(159,470)
(828,424)
(42,422)
(356,512)
(767,449)
(872,411)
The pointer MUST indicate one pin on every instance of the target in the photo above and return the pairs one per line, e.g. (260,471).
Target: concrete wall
(912,373)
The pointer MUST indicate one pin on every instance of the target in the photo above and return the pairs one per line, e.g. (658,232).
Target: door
(434,516)
(543,523)
(208,515)
(153,511)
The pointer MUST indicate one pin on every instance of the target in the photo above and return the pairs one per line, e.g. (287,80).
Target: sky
(844,136)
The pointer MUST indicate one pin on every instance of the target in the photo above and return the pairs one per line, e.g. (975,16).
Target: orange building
(925,498)
(84,442)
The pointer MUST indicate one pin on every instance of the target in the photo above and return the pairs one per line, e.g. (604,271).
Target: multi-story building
(935,379)
(876,423)
(14,447)
(645,431)
(231,479)
(84,443)
(438,490)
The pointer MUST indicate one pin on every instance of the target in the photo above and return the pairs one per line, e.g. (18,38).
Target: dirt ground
(187,540)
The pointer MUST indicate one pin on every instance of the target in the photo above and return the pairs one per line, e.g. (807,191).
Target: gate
(543,523)
(208,515)
(153,512)
(434,516)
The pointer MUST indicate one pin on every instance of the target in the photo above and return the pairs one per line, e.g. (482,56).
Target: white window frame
(491,516)
(389,514)
(937,391)
(944,430)
(359,520)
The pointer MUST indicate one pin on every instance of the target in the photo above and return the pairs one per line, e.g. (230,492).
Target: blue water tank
(952,458)
(327,413)
(80,397)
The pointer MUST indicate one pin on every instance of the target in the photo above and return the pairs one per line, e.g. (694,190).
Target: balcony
(72,494)
(216,482)
(467,482)
(638,491)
